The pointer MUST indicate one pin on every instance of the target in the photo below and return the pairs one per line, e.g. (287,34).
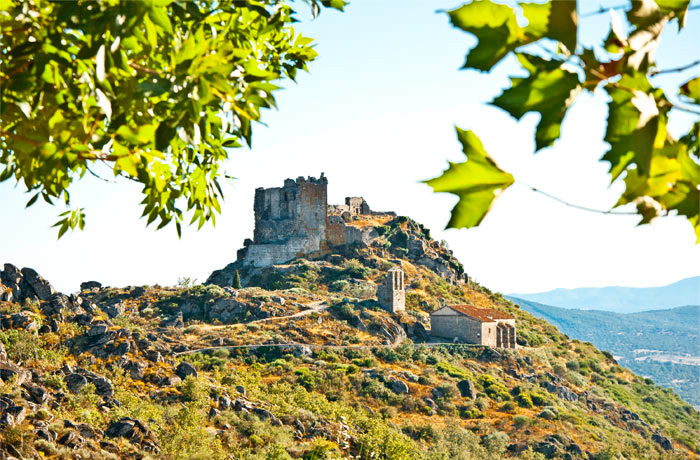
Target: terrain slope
(301,362)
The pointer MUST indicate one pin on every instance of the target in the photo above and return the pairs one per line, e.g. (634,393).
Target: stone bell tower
(392,293)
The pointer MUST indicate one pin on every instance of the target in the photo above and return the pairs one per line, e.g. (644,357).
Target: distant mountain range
(661,344)
(621,299)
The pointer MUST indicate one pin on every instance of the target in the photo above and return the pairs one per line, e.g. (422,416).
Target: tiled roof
(481,314)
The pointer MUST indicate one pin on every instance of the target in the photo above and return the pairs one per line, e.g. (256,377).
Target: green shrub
(498,392)
(452,370)
(521,421)
(524,400)
(549,413)
(306,378)
(192,390)
(496,442)
(539,398)
(471,413)
(508,406)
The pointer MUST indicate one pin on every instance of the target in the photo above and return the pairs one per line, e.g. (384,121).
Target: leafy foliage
(476,182)
(153,92)
(661,174)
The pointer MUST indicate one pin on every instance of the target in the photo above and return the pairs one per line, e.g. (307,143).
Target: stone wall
(462,327)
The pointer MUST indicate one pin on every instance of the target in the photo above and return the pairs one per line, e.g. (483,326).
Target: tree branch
(20,138)
(576,206)
(602,10)
(98,176)
(136,66)
(677,69)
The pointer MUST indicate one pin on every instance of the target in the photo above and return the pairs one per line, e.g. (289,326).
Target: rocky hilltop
(301,361)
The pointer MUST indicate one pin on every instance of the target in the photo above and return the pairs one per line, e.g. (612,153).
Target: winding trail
(314,307)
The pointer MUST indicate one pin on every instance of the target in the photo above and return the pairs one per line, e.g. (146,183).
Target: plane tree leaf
(498,32)
(636,124)
(660,172)
(549,90)
(476,182)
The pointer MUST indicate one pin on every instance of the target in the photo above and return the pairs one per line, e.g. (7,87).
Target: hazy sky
(377,115)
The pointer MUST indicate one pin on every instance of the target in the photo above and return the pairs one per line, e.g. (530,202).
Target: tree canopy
(154,90)
(661,173)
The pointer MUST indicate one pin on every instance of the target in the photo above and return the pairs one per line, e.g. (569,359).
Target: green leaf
(691,89)
(557,20)
(32,200)
(549,90)
(477,182)
(159,16)
(496,28)
(634,125)
(337,4)
(497,31)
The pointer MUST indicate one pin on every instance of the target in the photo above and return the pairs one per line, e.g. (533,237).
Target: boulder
(122,428)
(10,371)
(264,414)
(90,285)
(18,413)
(397,386)
(547,449)
(663,441)
(38,394)
(40,287)
(103,386)
(135,368)
(114,310)
(467,389)
(75,382)
(71,439)
(185,369)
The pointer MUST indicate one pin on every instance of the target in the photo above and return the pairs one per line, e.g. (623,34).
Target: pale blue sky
(376,114)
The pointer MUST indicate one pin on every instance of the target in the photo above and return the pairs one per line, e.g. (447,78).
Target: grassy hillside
(621,299)
(663,345)
(301,363)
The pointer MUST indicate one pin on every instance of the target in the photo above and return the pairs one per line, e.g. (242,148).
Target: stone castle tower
(289,221)
(295,220)
(392,293)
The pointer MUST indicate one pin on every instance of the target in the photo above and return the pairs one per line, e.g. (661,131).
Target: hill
(621,299)
(663,345)
(302,363)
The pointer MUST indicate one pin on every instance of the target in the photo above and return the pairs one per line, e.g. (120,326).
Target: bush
(496,442)
(549,413)
(498,392)
(524,400)
(192,390)
(470,413)
(539,398)
(521,421)
(508,406)
(573,365)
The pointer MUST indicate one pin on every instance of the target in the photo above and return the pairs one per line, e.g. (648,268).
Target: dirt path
(314,307)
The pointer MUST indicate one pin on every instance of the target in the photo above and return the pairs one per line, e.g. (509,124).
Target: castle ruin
(295,220)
